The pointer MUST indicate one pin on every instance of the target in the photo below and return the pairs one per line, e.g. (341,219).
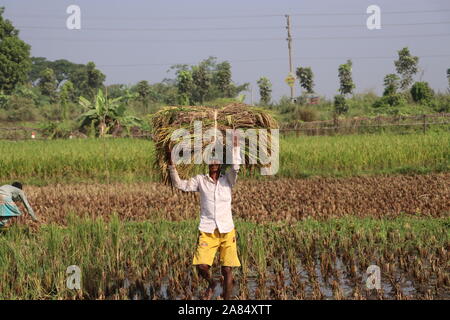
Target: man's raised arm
(232,173)
(184,185)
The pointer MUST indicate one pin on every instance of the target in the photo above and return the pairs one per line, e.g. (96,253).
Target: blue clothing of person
(8,209)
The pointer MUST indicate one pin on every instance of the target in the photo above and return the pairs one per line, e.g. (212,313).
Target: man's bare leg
(227,282)
(203,269)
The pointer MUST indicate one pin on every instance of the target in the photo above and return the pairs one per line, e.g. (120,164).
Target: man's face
(214,167)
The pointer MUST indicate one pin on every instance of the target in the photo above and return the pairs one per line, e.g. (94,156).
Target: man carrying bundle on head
(9,194)
(216,223)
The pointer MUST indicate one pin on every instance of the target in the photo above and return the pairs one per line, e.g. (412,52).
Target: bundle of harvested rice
(231,116)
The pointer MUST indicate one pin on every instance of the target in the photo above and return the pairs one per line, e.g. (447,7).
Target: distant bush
(440,103)
(29,92)
(421,92)
(285,106)
(54,130)
(306,114)
(367,98)
(393,100)
(20,109)
(21,114)
(51,112)
(3,100)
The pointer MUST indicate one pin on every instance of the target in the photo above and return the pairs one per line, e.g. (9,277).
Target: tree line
(76,95)
(398,87)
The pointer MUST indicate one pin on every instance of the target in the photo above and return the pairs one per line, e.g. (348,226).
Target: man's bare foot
(209,292)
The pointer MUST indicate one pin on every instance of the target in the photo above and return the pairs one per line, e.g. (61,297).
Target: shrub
(55,130)
(285,105)
(392,100)
(21,114)
(306,114)
(3,100)
(421,92)
(340,104)
(440,103)
(20,109)
(52,112)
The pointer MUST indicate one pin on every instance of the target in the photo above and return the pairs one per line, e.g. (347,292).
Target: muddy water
(265,289)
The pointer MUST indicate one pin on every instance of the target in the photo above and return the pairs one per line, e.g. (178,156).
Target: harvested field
(320,198)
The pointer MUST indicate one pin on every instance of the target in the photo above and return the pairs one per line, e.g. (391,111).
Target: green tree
(407,67)
(14,56)
(95,77)
(391,84)
(210,80)
(143,90)
(185,84)
(115,90)
(38,65)
(306,78)
(201,78)
(265,90)
(345,78)
(421,92)
(165,92)
(340,104)
(62,69)
(79,80)
(222,79)
(67,96)
(105,114)
(47,84)
(87,80)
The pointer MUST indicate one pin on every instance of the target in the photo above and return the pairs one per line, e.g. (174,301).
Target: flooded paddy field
(309,259)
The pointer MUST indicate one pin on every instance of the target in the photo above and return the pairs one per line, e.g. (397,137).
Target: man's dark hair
(17,184)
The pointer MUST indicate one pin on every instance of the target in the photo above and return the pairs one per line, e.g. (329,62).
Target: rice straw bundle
(230,116)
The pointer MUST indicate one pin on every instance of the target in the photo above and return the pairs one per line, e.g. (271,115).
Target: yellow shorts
(208,243)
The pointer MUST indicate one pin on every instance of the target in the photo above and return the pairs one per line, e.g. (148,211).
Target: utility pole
(289,40)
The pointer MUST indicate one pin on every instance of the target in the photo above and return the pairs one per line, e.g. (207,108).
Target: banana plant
(106,114)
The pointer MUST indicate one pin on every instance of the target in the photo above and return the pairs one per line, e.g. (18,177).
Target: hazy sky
(250,34)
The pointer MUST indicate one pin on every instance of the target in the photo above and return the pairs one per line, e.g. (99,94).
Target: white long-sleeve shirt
(215,199)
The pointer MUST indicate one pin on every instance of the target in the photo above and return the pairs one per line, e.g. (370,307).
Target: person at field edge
(9,194)
(216,227)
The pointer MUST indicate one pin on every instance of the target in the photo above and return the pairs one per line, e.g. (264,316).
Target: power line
(244,39)
(376,37)
(230,16)
(153,29)
(231,28)
(272,59)
(364,13)
(361,25)
(157,40)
